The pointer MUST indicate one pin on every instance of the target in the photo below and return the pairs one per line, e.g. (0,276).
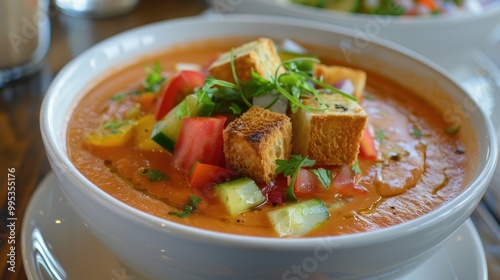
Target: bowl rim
(490,10)
(144,219)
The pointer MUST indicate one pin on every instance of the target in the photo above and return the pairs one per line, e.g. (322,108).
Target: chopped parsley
(154,175)
(291,167)
(355,168)
(188,208)
(380,135)
(114,126)
(154,79)
(416,132)
(452,130)
(324,175)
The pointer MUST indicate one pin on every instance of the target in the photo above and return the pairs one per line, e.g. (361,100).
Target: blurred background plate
(443,38)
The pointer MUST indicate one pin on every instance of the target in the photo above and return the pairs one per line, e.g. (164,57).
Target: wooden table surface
(21,146)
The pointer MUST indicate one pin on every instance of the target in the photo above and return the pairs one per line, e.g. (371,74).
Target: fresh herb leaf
(120,96)
(380,135)
(188,208)
(154,79)
(113,125)
(324,176)
(452,130)
(154,175)
(416,132)
(355,168)
(291,167)
(235,108)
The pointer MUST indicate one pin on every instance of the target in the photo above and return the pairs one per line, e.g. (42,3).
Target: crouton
(334,74)
(254,141)
(330,137)
(259,55)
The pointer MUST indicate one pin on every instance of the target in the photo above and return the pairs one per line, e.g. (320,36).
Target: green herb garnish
(452,130)
(188,208)
(291,167)
(324,176)
(380,135)
(154,79)
(292,84)
(120,96)
(355,168)
(154,175)
(416,132)
(111,125)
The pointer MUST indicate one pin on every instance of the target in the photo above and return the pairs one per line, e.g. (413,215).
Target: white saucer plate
(57,245)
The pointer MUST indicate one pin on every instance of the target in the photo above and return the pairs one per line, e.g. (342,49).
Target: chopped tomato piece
(178,88)
(205,175)
(346,182)
(367,147)
(307,182)
(200,139)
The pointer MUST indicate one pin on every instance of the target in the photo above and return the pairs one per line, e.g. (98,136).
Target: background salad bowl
(167,250)
(445,38)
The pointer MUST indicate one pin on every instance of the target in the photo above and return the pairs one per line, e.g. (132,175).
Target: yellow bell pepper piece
(111,134)
(143,131)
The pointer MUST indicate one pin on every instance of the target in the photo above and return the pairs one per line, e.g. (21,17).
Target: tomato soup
(419,165)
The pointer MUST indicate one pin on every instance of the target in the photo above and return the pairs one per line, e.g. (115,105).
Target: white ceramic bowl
(445,39)
(167,250)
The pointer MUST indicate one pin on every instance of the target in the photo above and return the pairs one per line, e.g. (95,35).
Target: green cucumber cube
(298,219)
(240,195)
(166,131)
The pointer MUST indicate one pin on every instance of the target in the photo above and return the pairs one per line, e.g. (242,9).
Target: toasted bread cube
(254,141)
(259,55)
(330,137)
(334,74)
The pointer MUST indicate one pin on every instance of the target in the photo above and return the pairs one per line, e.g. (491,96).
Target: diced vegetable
(147,101)
(307,182)
(298,219)
(240,195)
(346,182)
(205,175)
(200,139)
(178,88)
(143,132)
(367,147)
(111,134)
(166,131)
(276,190)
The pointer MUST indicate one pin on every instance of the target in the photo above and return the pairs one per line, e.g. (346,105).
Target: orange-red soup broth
(420,166)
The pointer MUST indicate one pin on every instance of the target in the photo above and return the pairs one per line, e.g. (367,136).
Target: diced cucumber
(240,195)
(299,218)
(166,131)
